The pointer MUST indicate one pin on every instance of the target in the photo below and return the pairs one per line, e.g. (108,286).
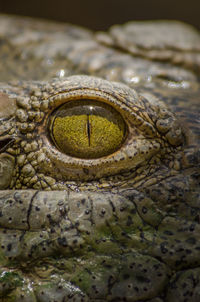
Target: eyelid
(134,114)
(141,115)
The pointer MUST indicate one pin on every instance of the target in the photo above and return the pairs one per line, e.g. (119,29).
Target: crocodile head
(99,192)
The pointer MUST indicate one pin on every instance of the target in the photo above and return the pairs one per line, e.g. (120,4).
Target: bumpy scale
(99,162)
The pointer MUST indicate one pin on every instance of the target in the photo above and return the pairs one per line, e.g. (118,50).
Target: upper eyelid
(143,112)
(61,97)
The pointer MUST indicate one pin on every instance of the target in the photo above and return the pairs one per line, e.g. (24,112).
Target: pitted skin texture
(123,227)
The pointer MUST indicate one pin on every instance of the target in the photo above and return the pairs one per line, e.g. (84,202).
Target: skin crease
(122,227)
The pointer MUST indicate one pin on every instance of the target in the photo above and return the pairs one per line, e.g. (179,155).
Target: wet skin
(99,162)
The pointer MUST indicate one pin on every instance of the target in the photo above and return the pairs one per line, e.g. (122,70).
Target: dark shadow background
(100,14)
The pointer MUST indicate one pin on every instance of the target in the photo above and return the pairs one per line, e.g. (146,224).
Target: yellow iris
(88,129)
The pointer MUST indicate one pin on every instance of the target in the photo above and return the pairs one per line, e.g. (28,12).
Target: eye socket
(98,128)
(87,129)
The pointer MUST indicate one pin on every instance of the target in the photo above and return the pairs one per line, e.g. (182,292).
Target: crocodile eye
(93,128)
(87,129)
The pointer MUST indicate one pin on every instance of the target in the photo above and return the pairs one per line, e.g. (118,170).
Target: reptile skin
(124,226)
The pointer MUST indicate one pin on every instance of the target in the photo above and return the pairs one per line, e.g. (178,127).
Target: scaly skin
(123,227)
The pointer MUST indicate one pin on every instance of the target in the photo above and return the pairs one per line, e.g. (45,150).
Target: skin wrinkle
(122,227)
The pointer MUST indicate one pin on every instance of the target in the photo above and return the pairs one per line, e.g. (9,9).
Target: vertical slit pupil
(88,128)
